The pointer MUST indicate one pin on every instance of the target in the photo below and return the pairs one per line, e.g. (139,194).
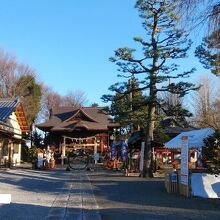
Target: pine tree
(211,153)
(128,109)
(153,66)
(209,52)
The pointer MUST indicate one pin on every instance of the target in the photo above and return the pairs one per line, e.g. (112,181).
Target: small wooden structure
(173,183)
(190,143)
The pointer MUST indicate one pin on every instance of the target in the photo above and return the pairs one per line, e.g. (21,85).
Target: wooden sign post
(184,171)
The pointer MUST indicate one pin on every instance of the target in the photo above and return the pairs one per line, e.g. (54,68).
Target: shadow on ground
(138,197)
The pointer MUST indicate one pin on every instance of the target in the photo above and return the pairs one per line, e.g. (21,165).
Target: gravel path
(58,194)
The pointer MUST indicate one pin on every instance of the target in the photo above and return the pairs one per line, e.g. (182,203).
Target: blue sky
(69,42)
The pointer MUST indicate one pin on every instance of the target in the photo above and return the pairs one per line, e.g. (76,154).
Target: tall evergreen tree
(163,43)
(209,52)
(172,106)
(128,109)
(211,153)
(29,92)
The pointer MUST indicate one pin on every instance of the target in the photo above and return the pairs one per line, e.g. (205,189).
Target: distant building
(70,127)
(13,125)
(172,127)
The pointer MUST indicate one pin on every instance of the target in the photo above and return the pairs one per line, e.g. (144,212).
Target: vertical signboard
(184,160)
(124,151)
(113,151)
(40,160)
(142,156)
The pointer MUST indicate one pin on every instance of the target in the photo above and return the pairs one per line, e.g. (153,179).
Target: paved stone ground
(58,194)
(136,198)
(55,194)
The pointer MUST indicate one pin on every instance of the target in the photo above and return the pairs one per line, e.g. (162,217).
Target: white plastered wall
(16,148)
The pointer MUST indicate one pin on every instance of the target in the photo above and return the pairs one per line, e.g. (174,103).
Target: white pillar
(96,156)
(63,150)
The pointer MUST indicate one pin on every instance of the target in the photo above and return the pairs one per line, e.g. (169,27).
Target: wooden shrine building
(70,128)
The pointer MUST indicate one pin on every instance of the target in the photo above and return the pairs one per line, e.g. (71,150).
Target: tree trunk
(147,169)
